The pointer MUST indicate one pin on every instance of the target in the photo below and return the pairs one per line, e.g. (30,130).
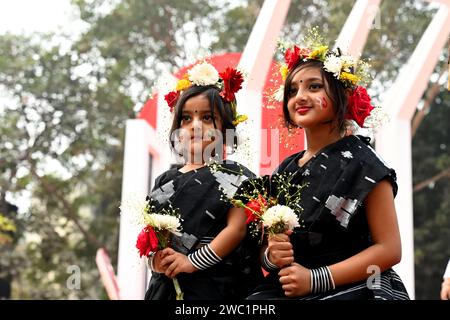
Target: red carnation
(292,56)
(359,106)
(147,241)
(171,99)
(254,209)
(232,81)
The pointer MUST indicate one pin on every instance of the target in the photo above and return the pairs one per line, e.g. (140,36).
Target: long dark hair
(333,88)
(216,102)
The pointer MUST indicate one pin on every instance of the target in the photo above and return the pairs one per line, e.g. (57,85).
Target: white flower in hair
(333,64)
(278,215)
(203,74)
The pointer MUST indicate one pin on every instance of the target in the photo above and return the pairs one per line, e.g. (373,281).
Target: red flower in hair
(171,99)
(359,106)
(147,241)
(292,56)
(254,208)
(232,81)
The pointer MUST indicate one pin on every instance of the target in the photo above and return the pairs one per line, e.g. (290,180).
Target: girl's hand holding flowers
(175,263)
(158,258)
(280,251)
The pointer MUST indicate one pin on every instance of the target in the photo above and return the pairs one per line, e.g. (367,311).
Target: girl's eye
(207,117)
(292,92)
(185,118)
(316,86)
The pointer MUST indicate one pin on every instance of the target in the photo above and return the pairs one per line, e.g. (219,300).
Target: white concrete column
(393,143)
(131,268)
(363,17)
(256,60)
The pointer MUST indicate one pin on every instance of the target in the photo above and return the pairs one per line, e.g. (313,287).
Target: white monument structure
(145,157)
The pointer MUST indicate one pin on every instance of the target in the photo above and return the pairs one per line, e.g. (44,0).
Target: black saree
(334,228)
(201,195)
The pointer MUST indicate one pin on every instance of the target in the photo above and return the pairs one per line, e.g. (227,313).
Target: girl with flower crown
(212,258)
(349,238)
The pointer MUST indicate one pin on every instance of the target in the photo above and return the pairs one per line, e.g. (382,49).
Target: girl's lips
(302,110)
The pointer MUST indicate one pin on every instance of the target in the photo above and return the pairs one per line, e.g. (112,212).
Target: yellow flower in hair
(345,76)
(284,71)
(319,53)
(182,84)
(240,118)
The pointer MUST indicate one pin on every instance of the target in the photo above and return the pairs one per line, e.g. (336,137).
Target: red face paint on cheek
(324,103)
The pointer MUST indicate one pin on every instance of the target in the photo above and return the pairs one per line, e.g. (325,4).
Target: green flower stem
(242,205)
(179,293)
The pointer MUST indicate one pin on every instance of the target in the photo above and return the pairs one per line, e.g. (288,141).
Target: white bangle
(150,258)
(269,266)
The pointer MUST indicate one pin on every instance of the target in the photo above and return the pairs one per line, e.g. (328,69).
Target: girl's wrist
(267,264)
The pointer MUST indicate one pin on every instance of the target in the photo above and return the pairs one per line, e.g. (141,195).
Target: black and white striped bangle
(269,266)
(321,280)
(204,258)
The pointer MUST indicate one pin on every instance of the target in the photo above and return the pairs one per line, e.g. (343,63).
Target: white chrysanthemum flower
(280,214)
(203,74)
(333,64)
(163,222)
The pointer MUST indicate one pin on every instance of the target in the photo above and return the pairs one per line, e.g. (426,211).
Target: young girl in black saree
(349,238)
(213,259)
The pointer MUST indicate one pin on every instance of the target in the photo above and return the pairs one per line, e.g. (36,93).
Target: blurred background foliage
(62,125)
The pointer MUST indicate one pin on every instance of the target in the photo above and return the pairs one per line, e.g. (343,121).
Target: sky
(27,16)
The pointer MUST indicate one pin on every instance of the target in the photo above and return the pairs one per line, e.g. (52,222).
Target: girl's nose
(196,124)
(300,96)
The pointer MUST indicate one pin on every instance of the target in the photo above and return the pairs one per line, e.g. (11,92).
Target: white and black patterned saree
(334,227)
(199,196)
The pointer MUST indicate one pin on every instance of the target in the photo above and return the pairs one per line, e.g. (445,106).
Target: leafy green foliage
(432,204)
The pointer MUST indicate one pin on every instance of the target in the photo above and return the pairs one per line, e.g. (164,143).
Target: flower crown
(204,74)
(352,72)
